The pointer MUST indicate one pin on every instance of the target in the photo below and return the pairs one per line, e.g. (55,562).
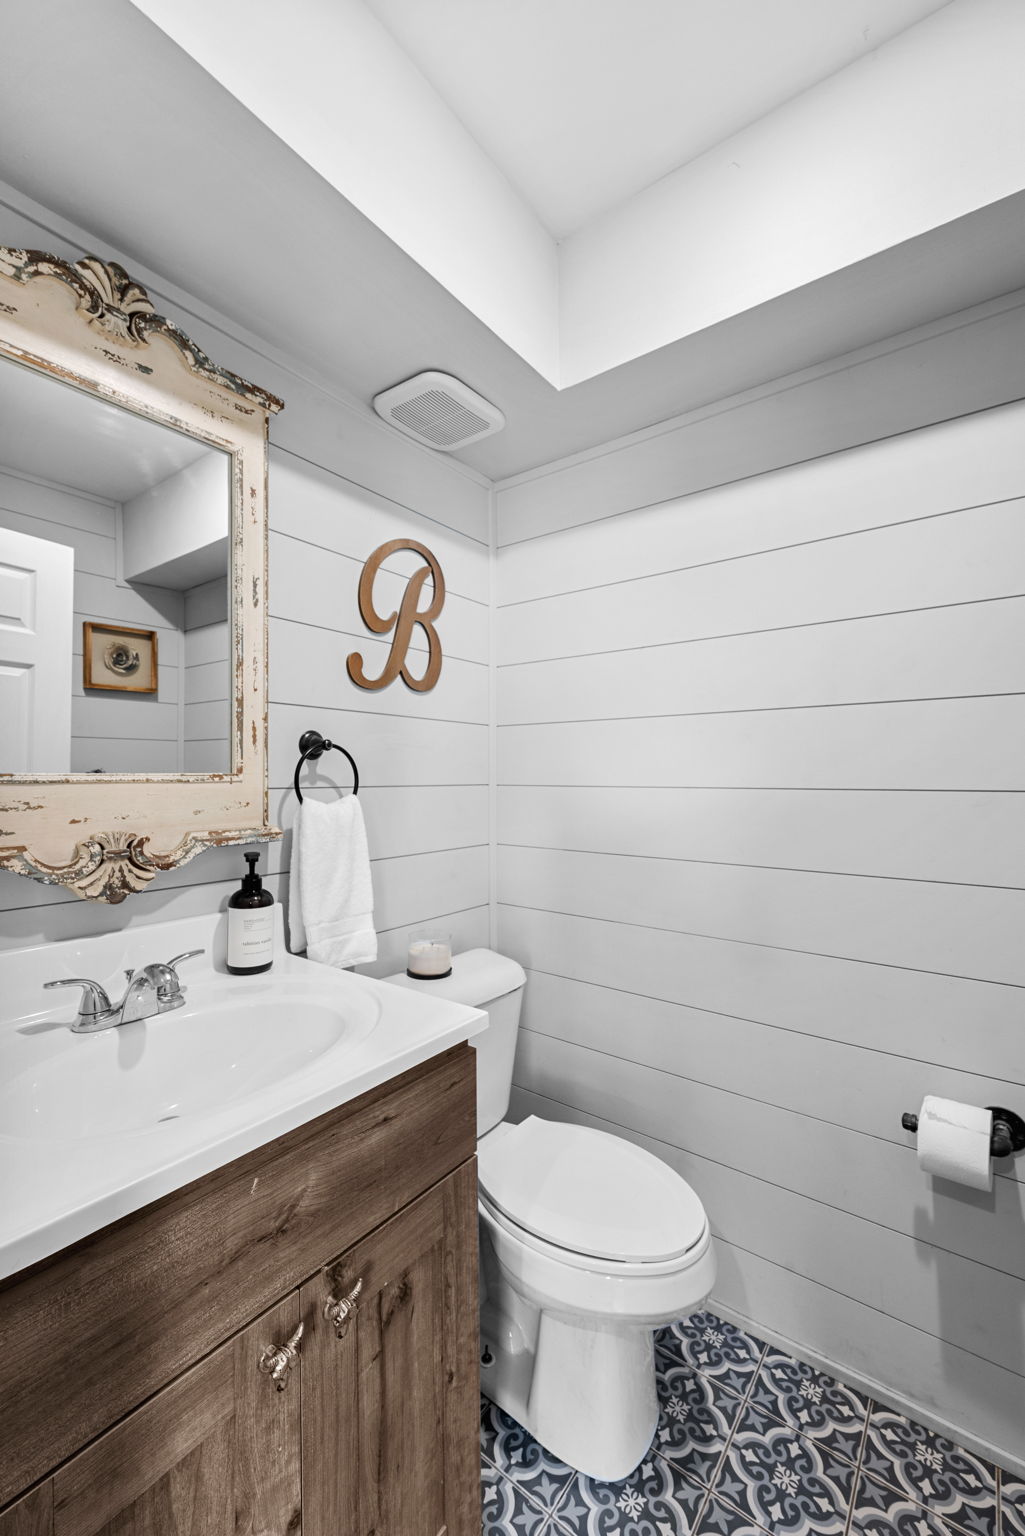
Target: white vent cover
(436,409)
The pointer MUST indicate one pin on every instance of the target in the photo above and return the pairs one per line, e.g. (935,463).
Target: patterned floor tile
(718,1519)
(787,1484)
(930,1469)
(820,1407)
(695,1419)
(880,1511)
(656,1500)
(505,1508)
(520,1458)
(1012,1505)
(713,1347)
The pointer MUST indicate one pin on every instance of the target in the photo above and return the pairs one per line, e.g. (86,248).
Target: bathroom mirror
(132,585)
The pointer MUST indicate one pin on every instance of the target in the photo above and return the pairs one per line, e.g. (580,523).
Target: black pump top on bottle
(252,884)
(251,892)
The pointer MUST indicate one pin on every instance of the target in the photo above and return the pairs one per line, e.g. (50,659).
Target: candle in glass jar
(429,957)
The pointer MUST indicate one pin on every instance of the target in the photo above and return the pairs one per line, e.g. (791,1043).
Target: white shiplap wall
(761,754)
(340,484)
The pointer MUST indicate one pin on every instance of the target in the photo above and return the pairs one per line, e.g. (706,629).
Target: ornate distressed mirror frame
(104,836)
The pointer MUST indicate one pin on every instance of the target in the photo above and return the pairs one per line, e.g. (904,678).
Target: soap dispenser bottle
(250,925)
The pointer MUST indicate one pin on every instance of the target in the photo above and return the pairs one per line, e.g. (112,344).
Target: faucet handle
(190,954)
(95,1003)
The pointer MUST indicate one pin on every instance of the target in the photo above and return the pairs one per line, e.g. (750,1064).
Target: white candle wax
(429,957)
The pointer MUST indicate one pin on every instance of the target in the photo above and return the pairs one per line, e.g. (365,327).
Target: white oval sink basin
(229,1043)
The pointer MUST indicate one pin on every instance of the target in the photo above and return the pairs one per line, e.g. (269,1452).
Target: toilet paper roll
(953,1142)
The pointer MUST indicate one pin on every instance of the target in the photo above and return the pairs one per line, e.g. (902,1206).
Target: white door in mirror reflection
(36,597)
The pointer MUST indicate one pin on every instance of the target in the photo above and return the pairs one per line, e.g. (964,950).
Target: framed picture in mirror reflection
(118,658)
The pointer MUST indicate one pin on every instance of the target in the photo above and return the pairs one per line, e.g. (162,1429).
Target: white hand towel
(330,893)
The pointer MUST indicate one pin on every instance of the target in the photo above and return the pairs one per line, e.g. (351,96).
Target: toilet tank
(482,979)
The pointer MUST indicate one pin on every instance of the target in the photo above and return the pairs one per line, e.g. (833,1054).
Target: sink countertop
(55,1190)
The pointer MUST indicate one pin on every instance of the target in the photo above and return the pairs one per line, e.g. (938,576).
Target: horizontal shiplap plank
(400,819)
(309,666)
(57,504)
(388,749)
(976,839)
(320,588)
(962,930)
(93,552)
(940,469)
(876,401)
(855,1095)
(146,716)
(207,681)
(206,604)
(110,755)
(141,606)
(976,744)
(206,756)
(971,1305)
(319,431)
(973,648)
(971,1026)
(410,890)
(323,509)
(179,893)
(963,557)
(208,721)
(207,643)
(169,681)
(927,1376)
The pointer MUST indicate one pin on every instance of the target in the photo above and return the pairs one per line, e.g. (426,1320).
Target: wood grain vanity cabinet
(147,1386)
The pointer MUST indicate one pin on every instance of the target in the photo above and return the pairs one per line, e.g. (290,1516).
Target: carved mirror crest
(133,585)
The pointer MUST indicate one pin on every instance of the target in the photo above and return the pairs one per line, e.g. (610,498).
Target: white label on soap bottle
(250,936)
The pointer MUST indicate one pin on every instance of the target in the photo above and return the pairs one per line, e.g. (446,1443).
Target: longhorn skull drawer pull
(341,1312)
(277,1360)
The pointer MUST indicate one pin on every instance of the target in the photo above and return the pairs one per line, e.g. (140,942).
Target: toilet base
(588,1394)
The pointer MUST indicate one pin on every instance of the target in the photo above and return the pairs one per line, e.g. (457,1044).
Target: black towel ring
(311,746)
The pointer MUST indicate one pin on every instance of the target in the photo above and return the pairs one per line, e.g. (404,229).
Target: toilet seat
(592,1199)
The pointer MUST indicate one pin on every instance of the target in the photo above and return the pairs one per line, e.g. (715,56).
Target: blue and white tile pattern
(752,1443)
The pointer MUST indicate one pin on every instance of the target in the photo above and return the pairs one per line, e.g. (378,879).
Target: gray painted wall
(761,840)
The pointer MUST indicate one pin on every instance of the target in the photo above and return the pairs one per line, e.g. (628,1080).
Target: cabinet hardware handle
(277,1360)
(341,1312)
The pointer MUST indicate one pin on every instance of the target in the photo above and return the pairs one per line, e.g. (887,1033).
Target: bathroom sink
(95,1126)
(227,1044)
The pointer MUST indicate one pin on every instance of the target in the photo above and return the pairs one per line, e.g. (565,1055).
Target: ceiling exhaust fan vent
(440,411)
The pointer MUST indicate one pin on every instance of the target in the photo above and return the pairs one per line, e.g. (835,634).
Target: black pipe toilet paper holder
(1006,1137)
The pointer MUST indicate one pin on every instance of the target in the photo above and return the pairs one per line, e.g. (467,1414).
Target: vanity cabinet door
(215,1452)
(32,1515)
(391,1409)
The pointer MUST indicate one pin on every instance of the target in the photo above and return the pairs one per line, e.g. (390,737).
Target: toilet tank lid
(479,976)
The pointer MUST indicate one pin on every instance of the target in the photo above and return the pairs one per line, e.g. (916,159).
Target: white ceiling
(54,432)
(216,200)
(582,104)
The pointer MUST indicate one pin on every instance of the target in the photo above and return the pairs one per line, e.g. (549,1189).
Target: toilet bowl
(588,1244)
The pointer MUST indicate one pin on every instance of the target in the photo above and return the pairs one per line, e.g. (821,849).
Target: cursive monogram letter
(403,620)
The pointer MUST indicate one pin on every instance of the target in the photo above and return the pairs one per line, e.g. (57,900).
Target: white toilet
(588,1244)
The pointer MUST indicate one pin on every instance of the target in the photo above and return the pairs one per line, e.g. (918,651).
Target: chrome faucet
(152,990)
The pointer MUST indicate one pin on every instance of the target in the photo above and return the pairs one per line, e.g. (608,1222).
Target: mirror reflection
(115,635)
